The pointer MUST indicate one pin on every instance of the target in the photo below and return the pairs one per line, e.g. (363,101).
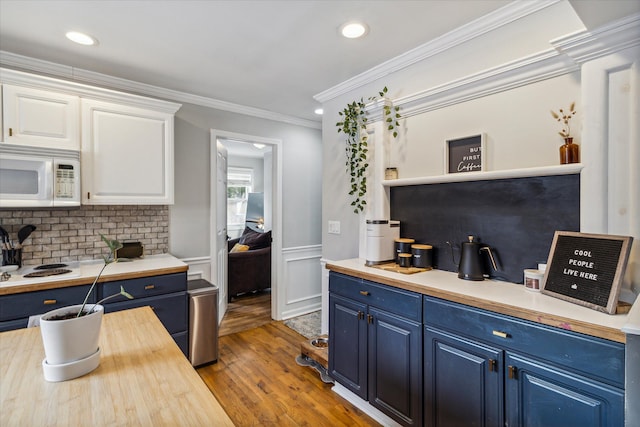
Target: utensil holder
(12,257)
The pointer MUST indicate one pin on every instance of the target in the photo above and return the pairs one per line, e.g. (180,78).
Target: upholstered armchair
(249,263)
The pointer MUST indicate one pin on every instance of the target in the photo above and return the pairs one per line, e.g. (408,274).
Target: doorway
(230,149)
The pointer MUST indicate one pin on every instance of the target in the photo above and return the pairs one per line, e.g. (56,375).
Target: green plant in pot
(70,335)
(354,126)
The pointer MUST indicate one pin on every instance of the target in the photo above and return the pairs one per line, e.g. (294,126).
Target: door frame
(276,245)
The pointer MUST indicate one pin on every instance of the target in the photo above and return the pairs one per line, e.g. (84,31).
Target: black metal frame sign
(587,269)
(465,154)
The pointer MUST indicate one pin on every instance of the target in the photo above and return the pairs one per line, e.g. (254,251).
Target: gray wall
(189,217)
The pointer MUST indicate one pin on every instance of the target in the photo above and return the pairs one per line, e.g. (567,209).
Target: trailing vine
(354,126)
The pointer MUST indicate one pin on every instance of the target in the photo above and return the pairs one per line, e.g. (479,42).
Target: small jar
(404,260)
(403,246)
(533,280)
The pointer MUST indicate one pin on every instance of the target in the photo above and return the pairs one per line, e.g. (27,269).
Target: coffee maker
(381,233)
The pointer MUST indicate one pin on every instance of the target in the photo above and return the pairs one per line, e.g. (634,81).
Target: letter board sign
(587,269)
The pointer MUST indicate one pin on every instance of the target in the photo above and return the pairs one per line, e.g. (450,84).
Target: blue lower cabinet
(182,339)
(428,361)
(462,382)
(376,353)
(165,294)
(541,395)
(171,309)
(395,366)
(482,369)
(348,341)
(10,325)
(15,309)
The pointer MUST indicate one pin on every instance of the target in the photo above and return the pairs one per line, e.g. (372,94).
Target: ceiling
(270,55)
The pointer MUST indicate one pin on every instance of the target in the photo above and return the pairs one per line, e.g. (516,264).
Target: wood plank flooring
(246,312)
(258,382)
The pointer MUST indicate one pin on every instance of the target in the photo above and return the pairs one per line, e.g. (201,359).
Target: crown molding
(567,56)
(522,72)
(585,46)
(78,76)
(494,20)
(21,78)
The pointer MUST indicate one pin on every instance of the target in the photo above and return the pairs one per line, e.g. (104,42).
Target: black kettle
(471,265)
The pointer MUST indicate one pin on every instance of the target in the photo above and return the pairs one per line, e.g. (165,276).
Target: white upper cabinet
(40,118)
(127,154)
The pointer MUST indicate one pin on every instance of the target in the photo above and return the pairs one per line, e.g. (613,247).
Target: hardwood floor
(258,382)
(246,312)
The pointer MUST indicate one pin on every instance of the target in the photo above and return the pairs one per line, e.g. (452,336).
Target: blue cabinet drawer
(398,301)
(16,306)
(146,286)
(10,325)
(595,357)
(170,309)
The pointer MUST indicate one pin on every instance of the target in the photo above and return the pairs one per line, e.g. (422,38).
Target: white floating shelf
(487,175)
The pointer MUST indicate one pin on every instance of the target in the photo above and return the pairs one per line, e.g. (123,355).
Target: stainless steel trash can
(203,322)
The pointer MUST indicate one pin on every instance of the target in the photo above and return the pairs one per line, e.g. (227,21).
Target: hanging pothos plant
(354,126)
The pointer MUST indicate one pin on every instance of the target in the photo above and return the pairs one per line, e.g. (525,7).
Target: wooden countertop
(143,380)
(152,265)
(500,297)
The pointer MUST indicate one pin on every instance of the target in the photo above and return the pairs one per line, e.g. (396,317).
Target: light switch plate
(334,227)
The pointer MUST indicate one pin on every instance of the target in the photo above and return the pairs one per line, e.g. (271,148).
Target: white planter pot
(71,345)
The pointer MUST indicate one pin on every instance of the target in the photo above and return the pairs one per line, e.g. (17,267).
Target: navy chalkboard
(516,217)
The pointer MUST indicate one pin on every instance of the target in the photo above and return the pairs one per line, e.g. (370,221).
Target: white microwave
(38,178)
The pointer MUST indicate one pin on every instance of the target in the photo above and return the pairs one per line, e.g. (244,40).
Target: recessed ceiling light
(353,29)
(319,111)
(81,38)
(259,146)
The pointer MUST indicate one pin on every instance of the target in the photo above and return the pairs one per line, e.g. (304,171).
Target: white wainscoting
(300,287)
(199,268)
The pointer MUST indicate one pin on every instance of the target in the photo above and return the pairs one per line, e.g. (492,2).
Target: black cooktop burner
(50,266)
(49,272)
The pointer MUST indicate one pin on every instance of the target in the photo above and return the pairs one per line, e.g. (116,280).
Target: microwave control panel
(65,181)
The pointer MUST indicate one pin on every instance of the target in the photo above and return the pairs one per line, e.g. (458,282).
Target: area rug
(307,325)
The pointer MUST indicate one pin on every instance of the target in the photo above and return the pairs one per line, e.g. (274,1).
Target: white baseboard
(364,406)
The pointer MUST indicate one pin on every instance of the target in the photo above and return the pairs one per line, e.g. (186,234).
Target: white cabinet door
(127,155)
(40,118)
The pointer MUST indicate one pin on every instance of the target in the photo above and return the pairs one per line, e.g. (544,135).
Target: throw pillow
(239,248)
(254,239)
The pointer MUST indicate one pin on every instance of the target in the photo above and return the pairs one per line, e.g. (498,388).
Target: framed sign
(587,269)
(464,154)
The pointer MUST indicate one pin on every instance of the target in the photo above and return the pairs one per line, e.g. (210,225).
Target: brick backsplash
(73,234)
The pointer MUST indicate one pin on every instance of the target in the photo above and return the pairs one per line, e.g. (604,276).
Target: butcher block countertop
(86,272)
(143,380)
(501,297)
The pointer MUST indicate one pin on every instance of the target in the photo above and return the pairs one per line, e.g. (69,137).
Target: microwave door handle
(48,181)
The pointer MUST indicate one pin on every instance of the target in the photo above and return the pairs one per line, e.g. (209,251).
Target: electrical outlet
(334,227)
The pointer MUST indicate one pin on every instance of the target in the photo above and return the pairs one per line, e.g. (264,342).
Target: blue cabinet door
(538,395)
(348,344)
(395,366)
(463,381)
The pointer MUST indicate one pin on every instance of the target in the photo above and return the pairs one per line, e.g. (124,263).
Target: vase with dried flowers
(569,152)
